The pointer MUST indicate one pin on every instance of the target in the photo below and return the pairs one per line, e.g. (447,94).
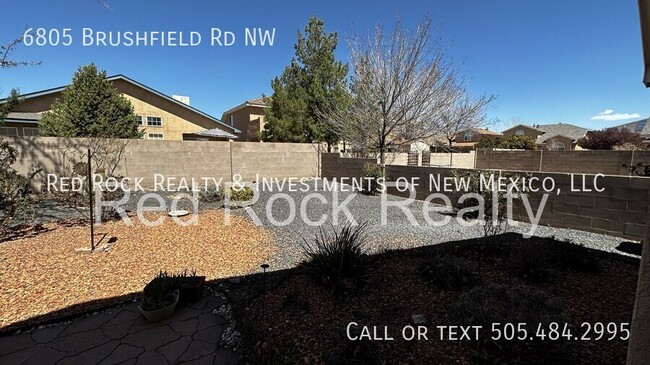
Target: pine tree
(308,87)
(90,107)
(9,104)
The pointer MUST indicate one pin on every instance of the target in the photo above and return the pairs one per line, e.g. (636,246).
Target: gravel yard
(398,233)
(45,273)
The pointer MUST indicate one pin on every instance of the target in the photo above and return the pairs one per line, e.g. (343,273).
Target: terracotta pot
(162,313)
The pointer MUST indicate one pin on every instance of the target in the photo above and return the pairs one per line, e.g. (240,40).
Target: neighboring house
(248,117)
(160,116)
(470,137)
(642,127)
(559,137)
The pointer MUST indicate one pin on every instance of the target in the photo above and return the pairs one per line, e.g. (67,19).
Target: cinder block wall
(619,210)
(588,162)
(198,159)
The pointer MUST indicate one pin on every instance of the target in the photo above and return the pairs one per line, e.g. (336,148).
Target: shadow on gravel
(630,247)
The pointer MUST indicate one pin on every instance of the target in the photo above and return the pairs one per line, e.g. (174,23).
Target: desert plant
(337,259)
(243,194)
(211,194)
(448,272)
(157,293)
(374,178)
(485,305)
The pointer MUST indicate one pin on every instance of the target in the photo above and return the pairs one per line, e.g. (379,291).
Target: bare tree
(401,85)
(467,112)
(6,51)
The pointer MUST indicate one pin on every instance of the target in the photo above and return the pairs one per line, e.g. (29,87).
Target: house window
(558,146)
(467,137)
(154,121)
(30,132)
(9,131)
(139,119)
(520,132)
(156,136)
(232,120)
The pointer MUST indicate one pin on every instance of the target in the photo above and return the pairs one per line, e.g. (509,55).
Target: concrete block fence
(179,159)
(620,209)
(588,162)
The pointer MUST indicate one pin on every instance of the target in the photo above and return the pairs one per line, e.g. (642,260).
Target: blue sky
(547,61)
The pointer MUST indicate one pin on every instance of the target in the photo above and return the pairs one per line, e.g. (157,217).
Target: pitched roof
(570,131)
(142,86)
(484,131)
(640,126)
(216,132)
(523,125)
(258,102)
(22,117)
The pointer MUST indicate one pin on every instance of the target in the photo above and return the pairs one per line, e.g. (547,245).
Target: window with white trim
(558,146)
(154,121)
(155,136)
(520,132)
(139,119)
(9,131)
(30,132)
(232,120)
(467,137)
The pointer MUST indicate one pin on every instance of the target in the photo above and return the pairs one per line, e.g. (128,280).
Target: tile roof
(256,101)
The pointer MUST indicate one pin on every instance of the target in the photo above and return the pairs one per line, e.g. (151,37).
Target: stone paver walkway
(122,336)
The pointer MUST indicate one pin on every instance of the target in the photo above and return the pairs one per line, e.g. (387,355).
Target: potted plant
(160,299)
(191,287)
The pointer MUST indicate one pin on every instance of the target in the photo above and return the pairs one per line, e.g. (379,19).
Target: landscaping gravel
(397,233)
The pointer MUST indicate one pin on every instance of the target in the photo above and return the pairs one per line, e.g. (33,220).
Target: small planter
(158,315)
(191,289)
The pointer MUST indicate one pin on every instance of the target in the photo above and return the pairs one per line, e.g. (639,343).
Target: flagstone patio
(122,336)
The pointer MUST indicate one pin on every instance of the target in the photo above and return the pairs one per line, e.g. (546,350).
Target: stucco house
(559,137)
(162,117)
(468,138)
(248,117)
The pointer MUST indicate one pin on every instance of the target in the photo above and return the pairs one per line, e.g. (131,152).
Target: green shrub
(242,194)
(507,142)
(337,260)
(211,194)
(374,178)
(16,198)
(448,272)
(485,305)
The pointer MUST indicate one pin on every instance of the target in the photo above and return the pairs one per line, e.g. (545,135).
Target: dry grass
(46,273)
